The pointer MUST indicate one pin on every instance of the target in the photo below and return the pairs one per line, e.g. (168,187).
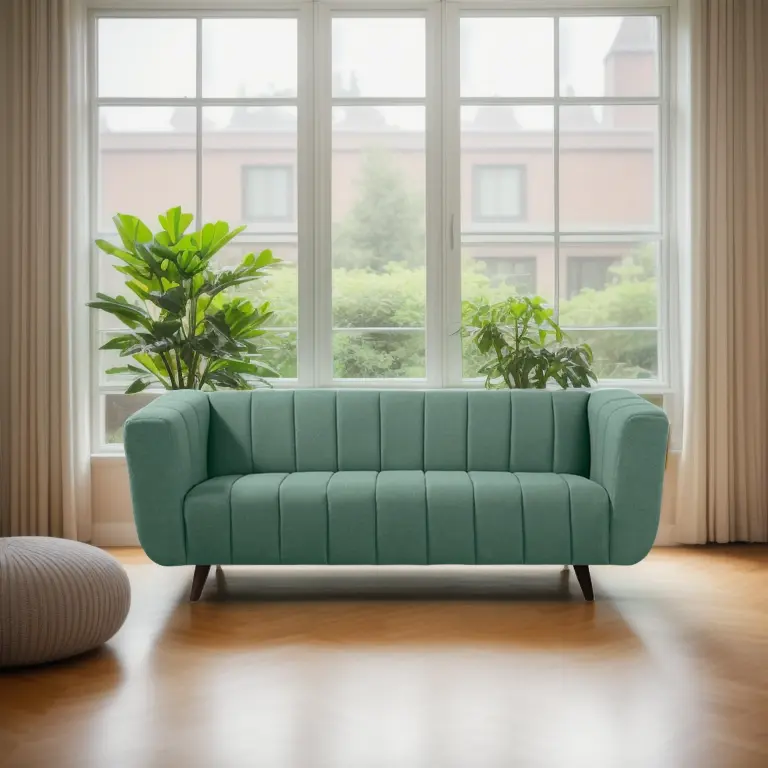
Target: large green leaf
(243,366)
(221,236)
(125,369)
(129,314)
(166,328)
(138,289)
(162,252)
(119,253)
(132,230)
(149,363)
(173,300)
(138,385)
(170,223)
(121,342)
(141,274)
(218,324)
(149,259)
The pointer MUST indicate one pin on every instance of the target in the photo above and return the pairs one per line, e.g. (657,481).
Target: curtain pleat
(42,493)
(723,480)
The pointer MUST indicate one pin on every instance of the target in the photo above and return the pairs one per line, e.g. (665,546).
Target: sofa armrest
(628,440)
(166,449)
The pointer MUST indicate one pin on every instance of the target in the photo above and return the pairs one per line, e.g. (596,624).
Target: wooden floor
(436,668)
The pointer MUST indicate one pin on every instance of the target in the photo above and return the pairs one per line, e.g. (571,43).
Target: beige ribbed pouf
(58,598)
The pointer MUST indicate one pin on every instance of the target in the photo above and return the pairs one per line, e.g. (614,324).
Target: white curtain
(43,459)
(723,479)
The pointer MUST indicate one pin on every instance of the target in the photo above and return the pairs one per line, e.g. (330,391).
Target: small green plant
(524,345)
(184,329)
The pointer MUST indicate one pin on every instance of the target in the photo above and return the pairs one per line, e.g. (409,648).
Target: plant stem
(516,374)
(168,368)
(502,368)
(202,378)
(191,328)
(178,365)
(193,370)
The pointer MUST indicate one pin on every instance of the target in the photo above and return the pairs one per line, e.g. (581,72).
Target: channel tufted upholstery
(397,477)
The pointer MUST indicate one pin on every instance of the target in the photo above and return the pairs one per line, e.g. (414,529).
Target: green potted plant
(184,328)
(523,345)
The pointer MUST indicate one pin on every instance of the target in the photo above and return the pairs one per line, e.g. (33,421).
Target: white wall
(113,517)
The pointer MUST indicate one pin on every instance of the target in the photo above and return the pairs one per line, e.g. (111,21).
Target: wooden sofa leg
(585,581)
(198,582)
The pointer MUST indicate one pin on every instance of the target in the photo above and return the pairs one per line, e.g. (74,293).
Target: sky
(509,56)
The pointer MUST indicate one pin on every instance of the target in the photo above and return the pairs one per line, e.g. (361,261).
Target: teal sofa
(366,477)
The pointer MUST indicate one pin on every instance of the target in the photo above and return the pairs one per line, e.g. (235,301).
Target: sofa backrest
(331,430)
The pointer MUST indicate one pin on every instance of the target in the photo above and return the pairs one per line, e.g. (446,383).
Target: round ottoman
(58,598)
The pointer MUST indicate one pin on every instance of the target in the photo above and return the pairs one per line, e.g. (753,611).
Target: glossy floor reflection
(441,667)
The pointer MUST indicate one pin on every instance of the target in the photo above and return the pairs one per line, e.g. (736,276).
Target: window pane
(249,57)
(621,354)
(604,284)
(147,58)
(498,193)
(378,210)
(249,167)
(494,271)
(609,167)
(378,57)
(609,56)
(507,57)
(378,354)
(146,161)
(117,408)
(268,193)
(507,169)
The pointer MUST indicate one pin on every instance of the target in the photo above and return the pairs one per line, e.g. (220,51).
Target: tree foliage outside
(379,281)
(386,222)
(629,300)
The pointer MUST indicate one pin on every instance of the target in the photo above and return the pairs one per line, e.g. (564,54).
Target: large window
(203,113)
(398,162)
(579,104)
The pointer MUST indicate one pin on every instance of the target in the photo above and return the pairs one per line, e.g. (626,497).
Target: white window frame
(443,191)
(303,12)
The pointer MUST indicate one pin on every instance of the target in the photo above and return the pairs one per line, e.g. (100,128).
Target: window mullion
(199,122)
(435,293)
(452,228)
(556,160)
(322,277)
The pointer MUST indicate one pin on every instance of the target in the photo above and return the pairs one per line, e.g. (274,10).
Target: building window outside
(499,193)
(589,272)
(268,193)
(517,272)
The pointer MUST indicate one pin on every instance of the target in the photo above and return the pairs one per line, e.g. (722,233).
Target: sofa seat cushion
(405,517)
